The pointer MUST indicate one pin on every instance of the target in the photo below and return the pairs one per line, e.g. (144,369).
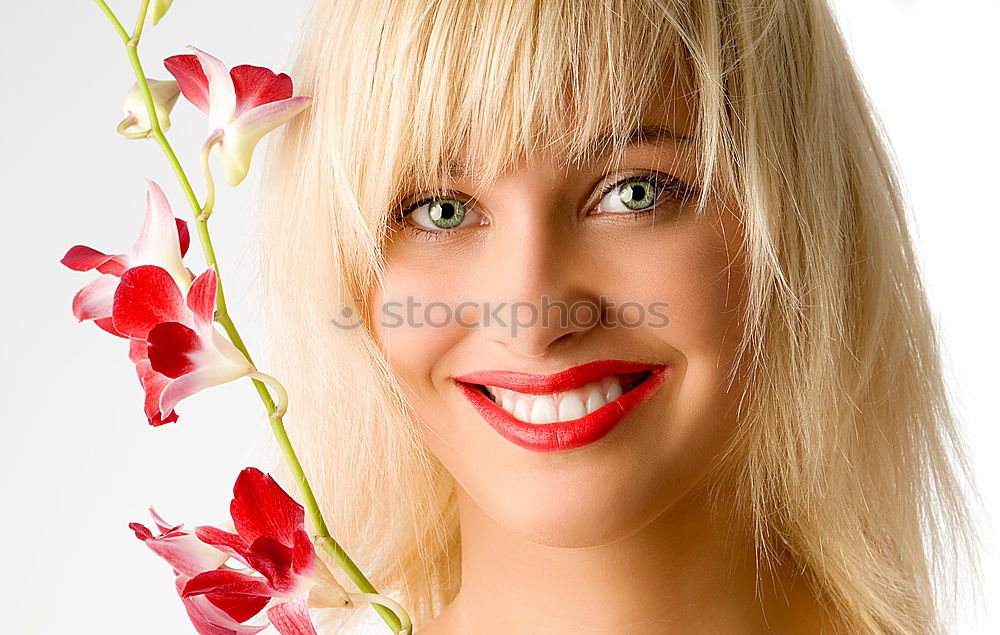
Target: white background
(77,460)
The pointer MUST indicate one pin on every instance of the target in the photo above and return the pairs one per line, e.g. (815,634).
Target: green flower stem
(375,598)
(126,123)
(140,21)
(282,407)
(277,426)
(206,171)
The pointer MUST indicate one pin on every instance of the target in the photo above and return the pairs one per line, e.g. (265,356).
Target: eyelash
(672,186)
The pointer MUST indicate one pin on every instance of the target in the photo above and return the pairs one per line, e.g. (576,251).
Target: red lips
(563,435)
(559,382)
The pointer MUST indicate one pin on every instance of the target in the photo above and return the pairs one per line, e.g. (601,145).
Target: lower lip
(564,435)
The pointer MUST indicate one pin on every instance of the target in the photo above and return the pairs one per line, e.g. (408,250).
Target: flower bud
(326,593)
(157,8)
(136,122)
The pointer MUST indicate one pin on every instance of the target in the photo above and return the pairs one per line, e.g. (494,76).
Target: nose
(541,279)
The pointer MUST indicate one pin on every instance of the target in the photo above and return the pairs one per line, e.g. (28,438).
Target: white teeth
(595,399)
(562,406)
(571,407)
(614,391)
(543,410)
(520,409)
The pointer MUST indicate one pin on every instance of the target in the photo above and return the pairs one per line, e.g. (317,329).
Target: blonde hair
(847,456)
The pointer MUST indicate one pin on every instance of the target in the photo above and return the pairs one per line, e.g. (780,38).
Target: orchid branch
(128,122)
(375,598)
(282,407)
(398,623)
(206,209)
(140,21)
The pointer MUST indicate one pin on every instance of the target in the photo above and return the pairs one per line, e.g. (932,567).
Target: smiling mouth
(568,405)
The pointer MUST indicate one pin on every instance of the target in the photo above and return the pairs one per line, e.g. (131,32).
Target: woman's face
(667,287)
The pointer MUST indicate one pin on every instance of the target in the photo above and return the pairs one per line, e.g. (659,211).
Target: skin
(615,536)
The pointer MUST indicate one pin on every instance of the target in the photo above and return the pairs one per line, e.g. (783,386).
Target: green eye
(433,214)
(446,213)
(635,194)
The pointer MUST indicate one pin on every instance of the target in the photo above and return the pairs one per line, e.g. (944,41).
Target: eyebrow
(643,135)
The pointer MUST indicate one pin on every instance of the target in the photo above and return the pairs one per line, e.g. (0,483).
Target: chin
(571,511)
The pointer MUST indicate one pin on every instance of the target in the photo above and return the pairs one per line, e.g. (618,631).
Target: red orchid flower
(162,241)
(188,557)
(282,575)
(242,104)
(175,346)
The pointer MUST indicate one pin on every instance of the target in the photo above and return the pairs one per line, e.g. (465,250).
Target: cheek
(699,273)
(692,270)
(394,314)
(413,322)
(705,326)
(691,274)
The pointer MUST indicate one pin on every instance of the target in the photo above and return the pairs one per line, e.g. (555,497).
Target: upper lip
(559,382)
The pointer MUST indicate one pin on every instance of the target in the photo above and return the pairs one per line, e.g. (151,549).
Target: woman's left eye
(433,218)
(639,194)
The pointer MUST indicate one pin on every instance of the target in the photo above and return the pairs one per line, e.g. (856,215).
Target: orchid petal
(182,550)
(201,299)
(108,325)
(187,70)
(94,300)
(174,349)
(213,369)
(153,384)
(242,135)
(227,581)
(221,92)
(273,560)
(304,558)
(183,237)
(137,350)
(225,541)
(292,618)
(82,258)
(159,242)
(170,349)
(207,618)
(146,296)
(261,508)
(256,85)
(238,606)
(157,8)
(161,524)
(223,349)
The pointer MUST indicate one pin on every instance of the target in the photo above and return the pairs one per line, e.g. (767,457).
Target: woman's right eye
(438,215)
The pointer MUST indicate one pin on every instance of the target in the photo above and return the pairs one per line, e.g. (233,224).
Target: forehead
(573,80)
(667,118)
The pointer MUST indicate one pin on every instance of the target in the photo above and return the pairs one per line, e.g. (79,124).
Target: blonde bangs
(468,89)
